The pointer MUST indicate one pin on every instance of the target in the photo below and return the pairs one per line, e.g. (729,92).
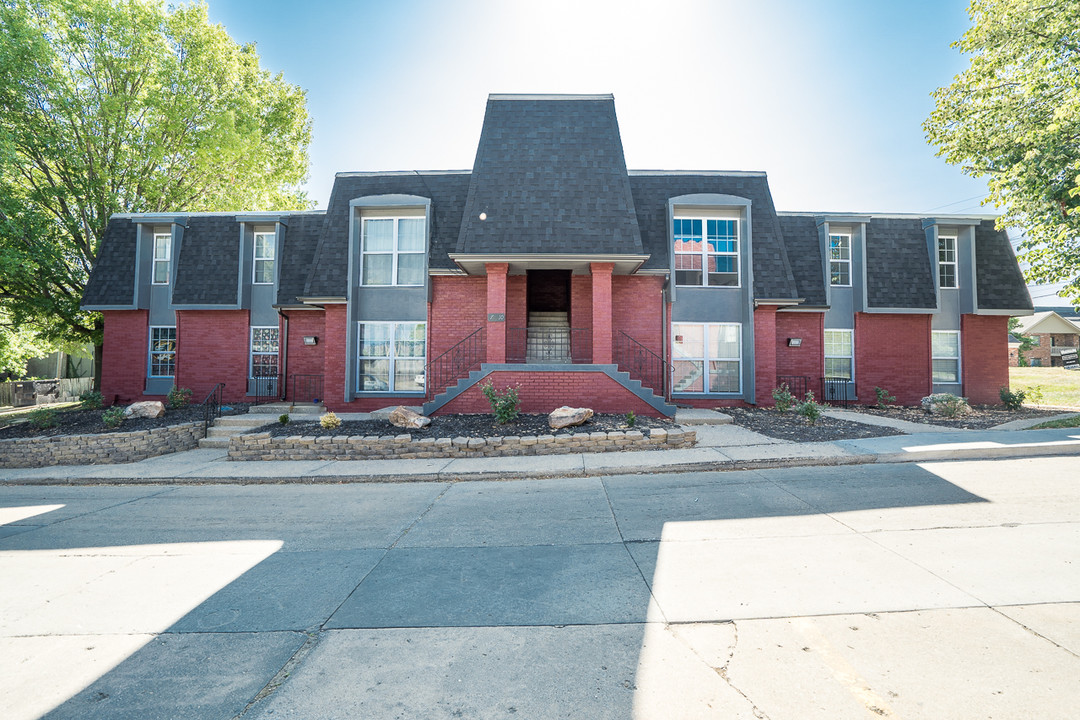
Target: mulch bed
(478,426)
(790,426)
(982,417)
(89,422)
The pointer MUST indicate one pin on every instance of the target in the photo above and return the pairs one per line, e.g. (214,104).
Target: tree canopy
(118,106)
(1013,116)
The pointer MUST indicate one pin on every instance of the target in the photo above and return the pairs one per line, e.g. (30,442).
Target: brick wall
(542,392)
(304,359)
(517,313)
(638,309)
(984,357)
(213,346)
(458,307)
(893,352)
(335,329)
(807,360)
(125,351)
(764,354)
(581,311)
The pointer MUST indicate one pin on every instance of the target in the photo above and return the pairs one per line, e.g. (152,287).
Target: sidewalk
(720,447)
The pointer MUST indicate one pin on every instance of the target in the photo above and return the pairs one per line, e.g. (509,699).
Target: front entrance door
(548,333)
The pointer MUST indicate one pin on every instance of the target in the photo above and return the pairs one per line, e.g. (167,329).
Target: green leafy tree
(1013,117)
(1027,342)
(115,106)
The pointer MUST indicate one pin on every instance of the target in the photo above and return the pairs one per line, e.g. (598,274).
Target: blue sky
(828,96)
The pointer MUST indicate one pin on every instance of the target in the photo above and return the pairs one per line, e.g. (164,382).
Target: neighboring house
(551,267)
(1051,333)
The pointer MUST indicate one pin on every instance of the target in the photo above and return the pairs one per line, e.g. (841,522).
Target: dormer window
(840,260)
(162,256)
(265,247)
(706,251)
(946,261)
(392,251)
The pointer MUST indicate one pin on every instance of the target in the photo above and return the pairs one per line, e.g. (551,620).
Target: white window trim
(150,351)
(705,249)
(251,348)
(958,358)
(847,262)
(706,359)
(953,263)
(167,260)
(394,252)
(851,357)
(392,357)
(256,259)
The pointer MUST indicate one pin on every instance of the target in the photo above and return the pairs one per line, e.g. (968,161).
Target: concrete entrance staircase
(548,338)
(227,426)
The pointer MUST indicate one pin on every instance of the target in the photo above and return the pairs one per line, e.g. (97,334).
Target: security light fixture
(311,340)
(794,342)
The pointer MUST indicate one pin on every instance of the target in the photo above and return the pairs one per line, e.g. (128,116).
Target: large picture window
(839,355)
(162,256)
(840,260)
(391,356)
(946,261)
(392,251)
(945,354)
(264,352)
(265,248)
(162,351)
(706,252)
(707,358)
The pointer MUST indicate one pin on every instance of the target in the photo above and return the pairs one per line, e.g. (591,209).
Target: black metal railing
(455,363)
(212,406)
(559,345)
(265,388)
(797,385)
(307,388)
(642,363)
(837,391)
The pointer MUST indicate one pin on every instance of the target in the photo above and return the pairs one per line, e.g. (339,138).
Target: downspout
(283,353)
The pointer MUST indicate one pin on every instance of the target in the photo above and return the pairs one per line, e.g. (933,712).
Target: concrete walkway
(721,446)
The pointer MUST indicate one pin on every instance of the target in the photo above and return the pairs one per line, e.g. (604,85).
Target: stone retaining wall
(263,446)
(99,449)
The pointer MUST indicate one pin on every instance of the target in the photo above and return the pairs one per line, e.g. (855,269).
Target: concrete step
(248,420)
(282,408)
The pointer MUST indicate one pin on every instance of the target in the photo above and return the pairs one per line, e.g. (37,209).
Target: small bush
(330,421)
(883,397)
(91,400)
(783,397)
(1035,394)
(1013,399)
(178,398)
(113,417)
(42,418)
(631,419)
(946,404)
(504,405)
(283,419)
(809,409)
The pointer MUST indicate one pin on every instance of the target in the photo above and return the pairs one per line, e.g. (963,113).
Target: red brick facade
(213,346)
(808,359)
(125,353)
(542,392)
(301,359)
(984,357)
(892,351)
(764,353)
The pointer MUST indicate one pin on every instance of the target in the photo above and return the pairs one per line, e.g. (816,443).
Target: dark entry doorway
(548,290)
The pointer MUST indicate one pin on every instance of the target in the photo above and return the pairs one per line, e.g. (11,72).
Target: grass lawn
(10,415)
(1060,387)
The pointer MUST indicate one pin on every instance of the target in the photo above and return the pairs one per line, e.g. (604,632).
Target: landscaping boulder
(567,416)
(403,417)
(146,409)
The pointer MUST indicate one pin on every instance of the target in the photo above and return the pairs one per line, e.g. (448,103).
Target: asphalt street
(933,590)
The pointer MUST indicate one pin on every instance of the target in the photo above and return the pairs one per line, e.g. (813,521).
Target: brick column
(764,354)
(601,312)
(496,308)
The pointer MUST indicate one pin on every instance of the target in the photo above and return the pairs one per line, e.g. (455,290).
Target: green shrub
(631,419)
(42,418)
(504,405)
(113,417)
(783,397)
(809,409)
(91,400)
(178,398)
(1035,394)
(1013,399)
(946,405)
(330,421)
(283,419)
(883,397)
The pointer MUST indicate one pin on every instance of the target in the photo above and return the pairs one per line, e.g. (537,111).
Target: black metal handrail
(642,363)
(834,391)
(307,388)
(212,406)
(797,385)
(559,345)
(462,358)
(266,388)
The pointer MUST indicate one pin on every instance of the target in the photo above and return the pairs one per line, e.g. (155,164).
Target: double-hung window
(264,352)
(391,356)
(839,355)
(162,351)
(707,357)
(840,260)
(162,256)
(945,354)
(265,247)
(946,261)
(706,252)
(392,251)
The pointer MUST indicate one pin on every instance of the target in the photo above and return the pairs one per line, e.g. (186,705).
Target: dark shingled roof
(297,252)
(772,274)
(898,269)
(208,265)
(1000,283)
(804,253)
(112,281)
(447,191)
(551,177)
